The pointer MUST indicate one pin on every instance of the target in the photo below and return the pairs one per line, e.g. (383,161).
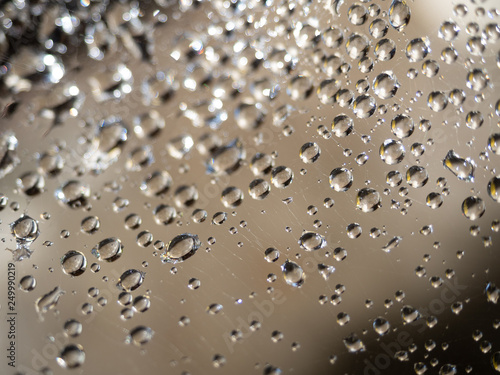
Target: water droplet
(392,152)
(342,125)
(340,179)
(72,328)
(73,263)
(27,283)
(494,189)
(385,85)
(226,159)
(259,188)
(181,248)
(473,207)
(231,197)
(353,343)
(130,280)
(310,152)
(48,301)
(156,183)
(402,126)
(140,336)
(417,49)
(368,200)
(494,143)
(71,357)
(381,326)
(437,101)
(399,14)
(25,229)
(311,241)
(416,176)
(8,153)
(90,224)
(293,273)
(73,193)
(281,177)
(462,168)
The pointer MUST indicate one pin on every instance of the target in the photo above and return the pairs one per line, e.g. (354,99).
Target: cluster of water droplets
(337,109)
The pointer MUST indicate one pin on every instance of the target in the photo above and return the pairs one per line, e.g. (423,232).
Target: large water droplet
(293,274)
(181,247)
(399,14)
(462,168)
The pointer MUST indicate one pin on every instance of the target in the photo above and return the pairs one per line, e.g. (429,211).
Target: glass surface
(253,187)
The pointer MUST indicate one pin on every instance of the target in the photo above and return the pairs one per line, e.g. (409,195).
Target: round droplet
(494,188)
(72,356)
(385,49)
(342,125)
(73,193)
(385,85)
(219,218)
(368,200)
(27,283)
(357,46)
(144,239)
(259,189)
(272,254)
(31,183)
(474,120)
(199,216)
(354,230)
(381,326)
(249,116)
(109,249)
(473,207)
(300,87)
(194,284)
(74,263)
(399,14)
(90,224)
(133,221)
(311,241)
(293,274)
(434,200)
(72,328)
(226,159)
(231,197)
(181,248)
(494,143)
(149,124)
(261,164)
(448,31)
(140,158)
(164,214)
(378,28)
(357,14)
(417,49)
(402,126)
(130,280)
(281,177)
(156,184)
(340,179)
(437,101)
(392,152)
(186,196)
(477,79)
(364,106)
(416,176)
(140,336)
(180,146)
(25,229)
(310,152)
